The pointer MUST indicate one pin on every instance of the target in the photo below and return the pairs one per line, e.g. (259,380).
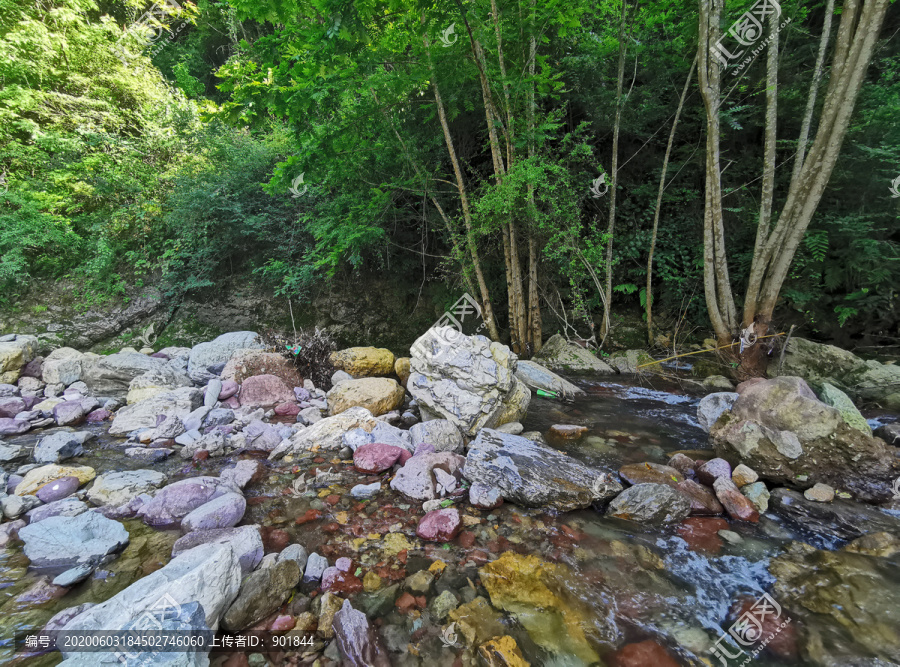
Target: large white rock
(172,375)
(62,366)
(466,379)
(179,403)
(442,433)
(219,351)
(209,574)
(111,375)
(561,355)
(118,488)
(327,434)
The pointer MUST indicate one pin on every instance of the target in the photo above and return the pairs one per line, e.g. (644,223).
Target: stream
(616,580)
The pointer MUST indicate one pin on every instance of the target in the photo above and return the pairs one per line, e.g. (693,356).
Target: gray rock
(513,428)
(208,575)
(178,403)
(62,366)
(68,541)
(654,504)
(188,437)
(211,395)
(118,488)
(9,453)
(242,473)
(340,376)
(296,553)
(219,351)
(837,399)
(837,520)
(15,506)
(167,377)
(261,594)
(194,420)
(536,376)
(112,375)
(245,542)
(356,641)
(712,406)
(327,434)
(222,512)
(64,507)
(890,433)
(74,575)
(718,383)
(442,433)
(60,446)
(365,490)
(466,379)
(310,416)
(534,475)
(315,567)
(149,454)
(218,417)
(213,442)
(381,432)
(486,497)
(560,355)
(416,479)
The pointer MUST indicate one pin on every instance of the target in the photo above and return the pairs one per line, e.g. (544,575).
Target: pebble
(821,493)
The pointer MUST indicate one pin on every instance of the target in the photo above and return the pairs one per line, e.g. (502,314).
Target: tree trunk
(648,301)
(611,226)
(535,326)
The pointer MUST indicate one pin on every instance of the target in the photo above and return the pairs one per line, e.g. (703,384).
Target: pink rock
(712,470)
(736,503)
(229,389)
(287,409)
(439,525)
(746,384)
(13,426)
(264,391)
(376,457)
(703,501)
(232,403)
(99,415)
(283,624)
(68,413)
(10,407)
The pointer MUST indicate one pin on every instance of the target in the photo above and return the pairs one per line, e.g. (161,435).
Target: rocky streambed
(437,509)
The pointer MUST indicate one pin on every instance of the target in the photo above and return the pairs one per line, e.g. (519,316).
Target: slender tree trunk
(611,226)
(486,310)
(648,301)
(716,282)
(535,326)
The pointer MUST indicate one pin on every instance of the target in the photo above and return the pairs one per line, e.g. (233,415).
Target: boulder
(14,355)
(245,541)
(62,366)
(64,507)
(264,391)
(10,453)
(442,433)
(244,364)
(363,362)
(468,380)
(327,434)
(402,369)
(261,594)
(62,542)
(222,512)
(712,406)
(175,501)
(654,504)
(208,574)
(837,520)
(219,351)
(178,403)
(782,431)
(36,477)
(416,479)
(377,395)
(650,473)
(560,355)
(119,488)
(158,381)
(535,475)
(112,375)
(380,432)
(535,376)
(60,446)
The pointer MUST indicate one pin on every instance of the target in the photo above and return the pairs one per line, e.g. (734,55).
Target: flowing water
(607,581)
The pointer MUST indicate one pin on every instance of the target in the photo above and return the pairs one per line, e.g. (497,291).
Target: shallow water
(624,582)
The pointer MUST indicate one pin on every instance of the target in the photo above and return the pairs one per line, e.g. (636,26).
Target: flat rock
(654,504)
(245,541)
(261,594)
(839,519)
(67,541)
(219,351)
(36,477)
(222,512)
(58,489)
(119,488)
(328,433)
(60,446)
(64,507)
(179,403)
(363,362)
(175,501)
(560,355)
(535,376)
(534,475)
(377,457)
(650,473)
(416,479)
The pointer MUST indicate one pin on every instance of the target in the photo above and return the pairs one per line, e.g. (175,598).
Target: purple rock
(12,483)
(343,564)
(160,355)
(328,577)
(31,401)
(301,394)
(10,407)
(175,501)
(68,413)
(229,389)
(222,512)
(99,415)
(712,470)
(424,448)
(13,426)
(58,489)
(34,368)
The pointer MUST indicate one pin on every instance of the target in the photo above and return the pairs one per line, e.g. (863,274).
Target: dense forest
(704,165)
